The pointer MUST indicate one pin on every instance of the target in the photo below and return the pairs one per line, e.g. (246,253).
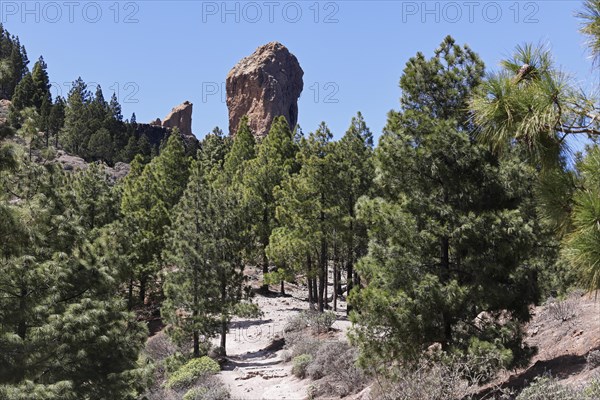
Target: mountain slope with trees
(431,248)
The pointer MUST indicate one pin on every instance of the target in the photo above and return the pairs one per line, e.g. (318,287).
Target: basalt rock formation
(263,86)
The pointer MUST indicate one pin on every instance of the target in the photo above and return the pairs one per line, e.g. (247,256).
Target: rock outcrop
(263,86)
(180,117)
(73,163)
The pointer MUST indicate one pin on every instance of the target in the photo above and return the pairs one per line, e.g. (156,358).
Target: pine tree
(41,84)
(93,198)
(115,108)
(213,149)
(356,173)
(205,250)
(581,244)
(18,64)
(146,205)
(56,119)
(22,99)
(77,130)
(242,150)
(590,16)
(45,111)
(308,206)
(531,102)
(450,236)
(274,161)
(101,146)
(63,331)
(30,127)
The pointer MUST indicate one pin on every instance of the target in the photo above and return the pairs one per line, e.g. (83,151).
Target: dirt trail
(255,369)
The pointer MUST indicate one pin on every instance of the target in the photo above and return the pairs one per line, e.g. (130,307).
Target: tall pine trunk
(264,243)
(130,295)
(223,316)
(311,297)
(445,277)
(350,261)
(335,284)
(315,287)
(143,280)
(322,275)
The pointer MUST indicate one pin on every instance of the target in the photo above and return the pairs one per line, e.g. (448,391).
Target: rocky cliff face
(263,86)
(180,117)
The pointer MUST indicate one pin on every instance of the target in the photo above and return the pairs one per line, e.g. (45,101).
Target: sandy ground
(255,369)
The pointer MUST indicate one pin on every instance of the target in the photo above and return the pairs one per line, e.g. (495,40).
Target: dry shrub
(211,389)
(318,322)
(443,377)
(298,343)
(300,365)
(547,388)
(335,367)
(561,310)
(159,347)
(425,382)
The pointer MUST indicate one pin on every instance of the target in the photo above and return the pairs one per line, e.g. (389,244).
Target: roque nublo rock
(263,86)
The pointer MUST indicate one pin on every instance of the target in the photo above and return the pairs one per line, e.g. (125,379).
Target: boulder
(263,86)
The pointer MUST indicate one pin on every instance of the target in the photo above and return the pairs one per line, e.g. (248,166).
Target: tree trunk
(311,300)
(130,295)
(282,287)
(22,325)
(143,280)
(445,258)
(335,283)
(322,258)
(322,275)
(325,295)
(350,261)
(315,290)
(264,243)
(196,344)
(223,315)
(309,281)
(223,336)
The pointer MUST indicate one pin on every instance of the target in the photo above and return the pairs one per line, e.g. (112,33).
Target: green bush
(190,372)
(486,359)
(300,364)
(175,361)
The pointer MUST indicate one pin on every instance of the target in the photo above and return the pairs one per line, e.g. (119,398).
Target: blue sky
(157,54)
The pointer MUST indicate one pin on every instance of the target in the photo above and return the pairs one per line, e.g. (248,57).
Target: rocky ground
(255,368)
(564,332)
